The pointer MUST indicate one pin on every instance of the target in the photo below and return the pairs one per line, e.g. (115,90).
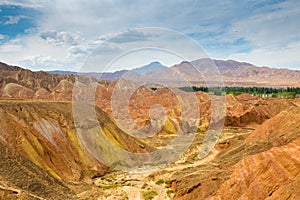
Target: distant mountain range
(233,73)
(61,72)
(112,76)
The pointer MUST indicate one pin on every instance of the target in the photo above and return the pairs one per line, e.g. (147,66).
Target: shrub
(148,195)
(159,182)
(169,192)
(106,187)
(168,184)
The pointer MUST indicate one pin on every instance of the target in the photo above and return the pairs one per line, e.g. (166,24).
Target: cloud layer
(62,34)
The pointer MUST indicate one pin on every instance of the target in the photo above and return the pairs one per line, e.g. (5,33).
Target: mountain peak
(184,62)
(153,66)
(155,62)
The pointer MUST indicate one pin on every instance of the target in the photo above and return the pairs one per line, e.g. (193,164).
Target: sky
(51,35)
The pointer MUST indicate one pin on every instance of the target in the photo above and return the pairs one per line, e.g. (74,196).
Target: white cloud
(39,60)
(132,36)
(31,30)
(62,38)
(11,47)
(14,19)
(24,3)
(32,52)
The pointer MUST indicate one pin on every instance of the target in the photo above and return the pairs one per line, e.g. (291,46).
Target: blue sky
(56,34)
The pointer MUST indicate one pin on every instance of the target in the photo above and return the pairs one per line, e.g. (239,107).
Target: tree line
(289,92)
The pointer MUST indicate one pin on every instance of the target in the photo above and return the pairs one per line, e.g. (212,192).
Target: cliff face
(243,112)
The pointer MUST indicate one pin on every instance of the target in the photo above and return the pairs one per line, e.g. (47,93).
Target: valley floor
(156,185)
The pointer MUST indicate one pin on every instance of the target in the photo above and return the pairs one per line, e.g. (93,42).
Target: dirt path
(134,192)
(210,157)
(135,183)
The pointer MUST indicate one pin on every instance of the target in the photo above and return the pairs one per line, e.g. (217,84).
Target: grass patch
(168,184)
(106,187)
(148,195)
(159,182)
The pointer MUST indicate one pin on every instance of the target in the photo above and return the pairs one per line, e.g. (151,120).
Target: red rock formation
(273,174)
(252,112)
(284,124)
(45,134)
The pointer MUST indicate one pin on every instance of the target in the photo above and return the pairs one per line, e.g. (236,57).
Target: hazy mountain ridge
(232,72)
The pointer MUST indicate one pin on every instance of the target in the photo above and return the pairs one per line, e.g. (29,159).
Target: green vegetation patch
(288,92)
(169,192)
(159,182)
(106,187)
(148,195)
(168,184)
